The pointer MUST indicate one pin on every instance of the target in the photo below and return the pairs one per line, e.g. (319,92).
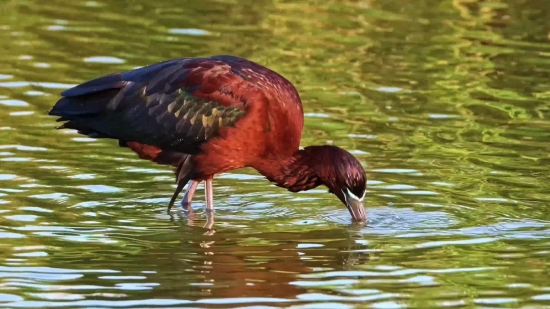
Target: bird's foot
(185,206)
(209,222)
(188,212)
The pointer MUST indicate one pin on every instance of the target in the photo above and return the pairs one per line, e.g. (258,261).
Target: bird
(208,115)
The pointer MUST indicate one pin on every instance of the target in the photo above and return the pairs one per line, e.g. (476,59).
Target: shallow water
(444,102)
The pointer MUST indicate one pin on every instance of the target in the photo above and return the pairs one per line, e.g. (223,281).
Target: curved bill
(356,206)
(357,210)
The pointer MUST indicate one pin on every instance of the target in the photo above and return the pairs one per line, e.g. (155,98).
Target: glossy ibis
(206,116)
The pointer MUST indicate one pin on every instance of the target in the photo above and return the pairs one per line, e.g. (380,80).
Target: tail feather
(83,105)
(112,81)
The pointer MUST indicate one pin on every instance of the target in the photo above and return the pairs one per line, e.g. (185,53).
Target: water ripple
(445,106)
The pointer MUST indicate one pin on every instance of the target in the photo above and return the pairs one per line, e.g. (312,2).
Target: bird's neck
(295,173)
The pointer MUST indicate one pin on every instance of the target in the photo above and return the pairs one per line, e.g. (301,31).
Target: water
(444,102)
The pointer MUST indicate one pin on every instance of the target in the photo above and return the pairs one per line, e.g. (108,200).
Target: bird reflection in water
(192,219)
(267,264)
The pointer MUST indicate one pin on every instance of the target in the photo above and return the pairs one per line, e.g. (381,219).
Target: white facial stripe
(353,196)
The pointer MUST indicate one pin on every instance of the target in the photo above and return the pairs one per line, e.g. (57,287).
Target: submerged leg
(209,195)
(189,192)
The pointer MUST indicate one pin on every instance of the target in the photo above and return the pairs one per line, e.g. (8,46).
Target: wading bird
(206,116)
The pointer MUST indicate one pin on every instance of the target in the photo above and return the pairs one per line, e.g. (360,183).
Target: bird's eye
(358,192)
(354,195)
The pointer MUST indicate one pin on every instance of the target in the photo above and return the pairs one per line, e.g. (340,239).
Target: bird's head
(344,176)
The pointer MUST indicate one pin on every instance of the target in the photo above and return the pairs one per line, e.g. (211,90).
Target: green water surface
(445,102)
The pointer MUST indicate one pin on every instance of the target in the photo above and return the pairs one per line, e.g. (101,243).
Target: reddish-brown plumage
(146,152)
(212,115)
(267,98)
(155,154)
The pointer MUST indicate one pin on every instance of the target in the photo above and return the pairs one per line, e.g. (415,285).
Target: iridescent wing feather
(153,105)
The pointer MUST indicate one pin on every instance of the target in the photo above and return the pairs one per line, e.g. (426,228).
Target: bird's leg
(209,195)
(189,192)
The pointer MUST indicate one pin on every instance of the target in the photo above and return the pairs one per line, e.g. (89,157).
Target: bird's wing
(174,105)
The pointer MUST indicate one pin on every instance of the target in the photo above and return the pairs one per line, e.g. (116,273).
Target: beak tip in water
(357,211)
(355,205)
